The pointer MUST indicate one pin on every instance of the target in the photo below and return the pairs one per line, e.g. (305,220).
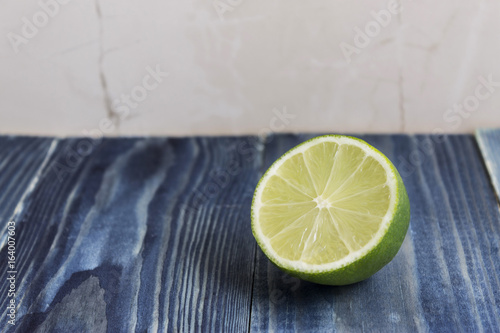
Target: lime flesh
(332,210)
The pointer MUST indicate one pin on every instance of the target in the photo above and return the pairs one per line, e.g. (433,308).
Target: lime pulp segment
(324,203)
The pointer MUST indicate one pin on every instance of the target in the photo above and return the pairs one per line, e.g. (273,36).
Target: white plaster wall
(235,72)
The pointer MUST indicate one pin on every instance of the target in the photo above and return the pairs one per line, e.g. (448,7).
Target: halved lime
(333,210)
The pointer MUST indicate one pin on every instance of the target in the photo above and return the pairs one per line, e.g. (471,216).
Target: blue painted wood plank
(153,234)
(489,143)
(21,159)
(139,235)
(446,276)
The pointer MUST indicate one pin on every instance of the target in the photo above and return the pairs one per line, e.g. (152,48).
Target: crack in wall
(402,111)
(433,47)
(108,105)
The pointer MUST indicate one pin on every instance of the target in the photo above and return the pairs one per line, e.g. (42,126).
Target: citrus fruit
(332,210)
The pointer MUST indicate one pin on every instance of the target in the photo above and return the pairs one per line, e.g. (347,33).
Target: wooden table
(153,234)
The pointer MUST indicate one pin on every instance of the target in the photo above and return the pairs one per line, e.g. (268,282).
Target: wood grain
(489,143)
(21,159)
(153,234)
(140,235)
(444,279)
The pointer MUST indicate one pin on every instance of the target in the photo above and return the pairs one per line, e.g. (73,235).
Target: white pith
(352,256)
